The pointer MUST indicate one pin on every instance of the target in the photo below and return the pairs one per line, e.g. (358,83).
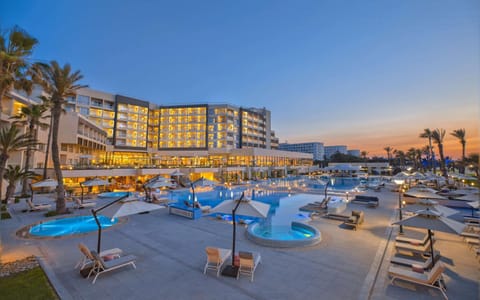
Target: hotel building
(314,148)
(109,135)
(331,150)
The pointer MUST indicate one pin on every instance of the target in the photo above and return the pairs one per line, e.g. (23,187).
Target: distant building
(314,148)
(331,150)
(354,152)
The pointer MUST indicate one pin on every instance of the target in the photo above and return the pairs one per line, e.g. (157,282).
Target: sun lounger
(431,279)
(339,217)
(36,207)
(248,263)
(86,204)
(421,249)
(88,258)
(367,200)
(215,258)
(100,266)
(355,220)
(411,240)
(418,262)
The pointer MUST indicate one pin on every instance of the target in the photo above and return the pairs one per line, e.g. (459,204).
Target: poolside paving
(171,255)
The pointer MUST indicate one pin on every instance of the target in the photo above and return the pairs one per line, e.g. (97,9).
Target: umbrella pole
(193,196)
(232,270)
(99,239)
(431,247)
(81,186)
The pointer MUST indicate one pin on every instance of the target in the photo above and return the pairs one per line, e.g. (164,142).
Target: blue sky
(367,74)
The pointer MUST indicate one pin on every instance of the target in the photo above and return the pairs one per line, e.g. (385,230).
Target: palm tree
(60,83)
(389,153)
(460,135)
(473,161)
(12,140)
(16,46)
(31,116)
(13,174)
(401,157)
(437,136)
(427,134)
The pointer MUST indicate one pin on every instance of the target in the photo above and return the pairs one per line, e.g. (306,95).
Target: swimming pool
(113,194)
(296,235)
(70,226)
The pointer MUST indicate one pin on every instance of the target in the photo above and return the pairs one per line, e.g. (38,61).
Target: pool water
(70,226)
(113,194)
(283,232)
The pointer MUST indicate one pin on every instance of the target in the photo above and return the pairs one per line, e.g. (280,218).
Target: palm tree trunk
(442,161)
(56,111)
(2,93)
(28,158)
(432,163)
(47,151)
(10,191)
(3,163)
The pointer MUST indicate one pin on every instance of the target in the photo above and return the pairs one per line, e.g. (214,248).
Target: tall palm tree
(401,157)
(16,46)
(389,153)
(437,136)
(426,151)
(32,117)
(12,140)
(13,174)
(427,134)
(460,135)
(60,83)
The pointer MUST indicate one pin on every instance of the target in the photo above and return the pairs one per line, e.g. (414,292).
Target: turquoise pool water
(112,194)
(70,226)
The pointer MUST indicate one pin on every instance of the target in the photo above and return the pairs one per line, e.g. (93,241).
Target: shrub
(5,215)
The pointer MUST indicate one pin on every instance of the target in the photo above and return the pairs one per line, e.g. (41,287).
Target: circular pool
(296,235)
(70,226)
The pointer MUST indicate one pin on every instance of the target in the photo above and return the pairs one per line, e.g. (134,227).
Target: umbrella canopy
(469,197)
(45,183)
(474,204)
(118,209)
(159,182)
(177,173)
(129,208)
(416,175)
(244,207)
(431,220)
(401,175)
(95,182)
(204,182)
(431,204)
(423,193)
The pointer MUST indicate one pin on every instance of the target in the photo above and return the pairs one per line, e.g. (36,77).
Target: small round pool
(296,235)
(112,194)
(70,226)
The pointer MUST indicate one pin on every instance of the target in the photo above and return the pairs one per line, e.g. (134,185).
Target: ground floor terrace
(170,253)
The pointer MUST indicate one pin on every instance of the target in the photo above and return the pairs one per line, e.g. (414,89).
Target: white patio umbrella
(430,204)
(177,173)
(244,207)
(93,182)
(416,176)
(423,193)
(45,183)
(431,220)
(474,205)
(204,182)
(401,175)
(118,209)
(469,197)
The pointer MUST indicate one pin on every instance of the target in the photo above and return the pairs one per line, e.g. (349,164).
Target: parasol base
(230,271)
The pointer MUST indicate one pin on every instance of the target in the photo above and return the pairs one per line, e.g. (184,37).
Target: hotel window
(85,100)
(83,110)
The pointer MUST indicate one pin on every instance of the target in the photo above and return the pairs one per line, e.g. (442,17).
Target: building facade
(331,150)
(314,148)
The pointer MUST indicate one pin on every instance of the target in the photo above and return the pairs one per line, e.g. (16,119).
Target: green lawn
(31,284)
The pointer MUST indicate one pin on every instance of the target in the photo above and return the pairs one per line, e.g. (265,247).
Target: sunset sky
(366,74)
